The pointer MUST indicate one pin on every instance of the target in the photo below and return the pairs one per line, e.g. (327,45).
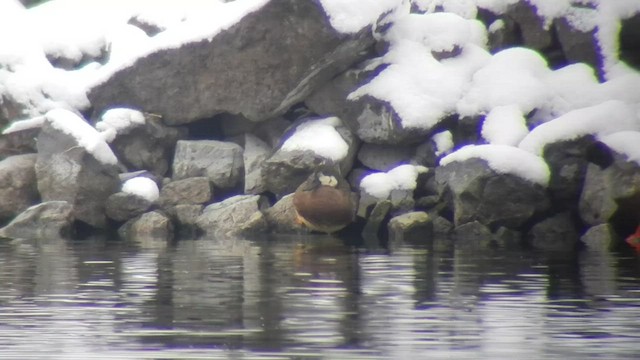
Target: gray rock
(282,217)
(612,191)
(255,153)
(474,191)
(148,146)
(221,162)
(195,190)
(284,171)
(66,172)
(508,238)
(473,234)
(600,238)
(236,216)
(291,40)
(504,34)
(567,161)
(442,227)
(151,226)
(531,26)
(185,218)
(18,188)
(52,219)
(19,142)
(385,157)
(413,227)
(579,46)
(375,221)
(123,206)
(557,233)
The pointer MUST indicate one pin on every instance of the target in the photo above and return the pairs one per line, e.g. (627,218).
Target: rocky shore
(481,126)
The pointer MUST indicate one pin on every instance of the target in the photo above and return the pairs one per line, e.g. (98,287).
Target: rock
(221,162)
(611,194)
(535,34)
(19,142)
(474,191)
(568,164)
(67,172)
(503,33)
(473,234)
(557,233)
(291,40)
(579,46)
(282,217)
(236,216)
(629,37)
(148,146)
(600,238)
(255,153)
(284,171)
(123,206)
(414,227)
(375,221)
(51,219)
(508,238)
(189,191)
(18,188)
(153,226)
(442,227)
(185,218)
(385,157)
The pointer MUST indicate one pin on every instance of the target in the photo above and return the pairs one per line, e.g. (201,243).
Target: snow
(504,125)
(505,159)
(598,120)
(381,184)
(142,187)
(625,143)
(118,120)
(86,136)
(349,16)
(321,137)
(443,141)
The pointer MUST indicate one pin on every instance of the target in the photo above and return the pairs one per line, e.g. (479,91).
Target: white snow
(35,122)
(505,159)
(321,137)
(142,187)
(118,120)
(403,177)
(599,120)
(624,143)
(443,141)
(504,125)
(348,16)
(86,136)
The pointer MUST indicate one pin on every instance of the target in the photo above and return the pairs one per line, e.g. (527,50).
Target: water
(312,298)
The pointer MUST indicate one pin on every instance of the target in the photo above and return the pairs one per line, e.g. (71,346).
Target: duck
(324,201)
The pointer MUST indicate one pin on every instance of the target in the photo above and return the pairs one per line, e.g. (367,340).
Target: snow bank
(599,120)
(351,16)
(142,187)
(321,137)
(504,125)
(505,159)
(86,136)
(403,177)
(118,120)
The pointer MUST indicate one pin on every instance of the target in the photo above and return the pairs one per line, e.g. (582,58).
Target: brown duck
(324,202)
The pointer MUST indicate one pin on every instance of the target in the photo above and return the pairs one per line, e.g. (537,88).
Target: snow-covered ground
(505,86)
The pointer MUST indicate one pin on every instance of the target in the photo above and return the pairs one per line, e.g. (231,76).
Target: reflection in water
(311,298)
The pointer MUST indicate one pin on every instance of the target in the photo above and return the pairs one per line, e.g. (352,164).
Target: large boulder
(475,191)
(48,220)
(269,60)
(68,171)
(556,233)
(123,206)
(236,216)
(152,226)
(221,162)
(189,191)
(18,188)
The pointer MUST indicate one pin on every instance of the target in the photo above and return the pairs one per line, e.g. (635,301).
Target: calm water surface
(312,298)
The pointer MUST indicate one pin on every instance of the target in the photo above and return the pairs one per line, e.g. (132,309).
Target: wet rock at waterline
(152,226)
(291,40)
(282,217)
(413,228)
(235,216)
(47,220)
(18,189)
(555,233)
